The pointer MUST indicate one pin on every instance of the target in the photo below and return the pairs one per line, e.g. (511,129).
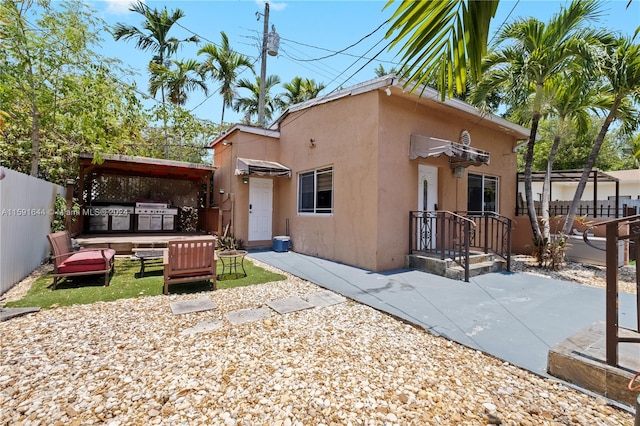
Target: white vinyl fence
(26,211)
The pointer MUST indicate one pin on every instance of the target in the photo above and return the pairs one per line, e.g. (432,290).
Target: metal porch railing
(453,234)
(493,234)
(441,233)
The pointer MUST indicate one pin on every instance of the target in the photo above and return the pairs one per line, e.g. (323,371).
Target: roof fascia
(271,133)
(118,158)
(420,91)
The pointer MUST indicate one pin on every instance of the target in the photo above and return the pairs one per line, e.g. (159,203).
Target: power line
(342,53)
(349,78)
(504,22)
(346,48)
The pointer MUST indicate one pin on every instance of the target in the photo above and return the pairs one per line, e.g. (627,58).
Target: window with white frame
(315,191)
(482,193)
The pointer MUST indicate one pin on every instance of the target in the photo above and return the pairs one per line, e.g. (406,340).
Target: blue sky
(309,31)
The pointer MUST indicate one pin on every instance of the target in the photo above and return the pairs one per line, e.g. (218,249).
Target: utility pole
(263,67)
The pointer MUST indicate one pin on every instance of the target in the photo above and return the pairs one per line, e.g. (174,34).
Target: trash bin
(281,243)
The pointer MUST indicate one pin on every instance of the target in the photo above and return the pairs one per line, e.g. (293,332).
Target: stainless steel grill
(155,217)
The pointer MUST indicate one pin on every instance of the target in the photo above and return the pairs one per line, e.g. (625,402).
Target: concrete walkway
(513,316)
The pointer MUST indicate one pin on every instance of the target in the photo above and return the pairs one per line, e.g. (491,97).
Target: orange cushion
(87,261)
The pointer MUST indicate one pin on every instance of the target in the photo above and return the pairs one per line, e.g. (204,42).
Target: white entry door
(427,201)
(260,209)
(427,187)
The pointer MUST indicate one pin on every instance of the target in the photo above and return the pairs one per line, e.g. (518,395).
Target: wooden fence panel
(26,212)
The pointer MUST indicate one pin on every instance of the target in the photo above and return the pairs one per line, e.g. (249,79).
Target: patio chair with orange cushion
(188,260)
(86,261)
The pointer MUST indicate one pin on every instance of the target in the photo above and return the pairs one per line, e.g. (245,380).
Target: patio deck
(125,243)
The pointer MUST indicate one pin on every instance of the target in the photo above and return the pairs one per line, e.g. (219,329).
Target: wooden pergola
(124,165)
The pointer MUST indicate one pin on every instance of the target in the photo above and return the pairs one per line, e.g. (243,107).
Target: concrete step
(456,271)
(482,258)
(478,265)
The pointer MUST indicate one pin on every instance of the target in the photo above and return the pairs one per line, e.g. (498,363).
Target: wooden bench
(188,260)
(86,261)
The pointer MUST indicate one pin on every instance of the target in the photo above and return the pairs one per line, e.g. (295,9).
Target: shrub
(549,253)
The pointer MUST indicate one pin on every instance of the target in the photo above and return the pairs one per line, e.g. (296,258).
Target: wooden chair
(86,261)
(189,260)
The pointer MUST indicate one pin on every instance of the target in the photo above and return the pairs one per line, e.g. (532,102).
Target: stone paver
(189,306)
(248,315)
(290,304)
(8,313)
(323,299)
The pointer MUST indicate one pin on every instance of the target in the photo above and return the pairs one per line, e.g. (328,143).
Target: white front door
(260,209)
(427,201)
(427,188)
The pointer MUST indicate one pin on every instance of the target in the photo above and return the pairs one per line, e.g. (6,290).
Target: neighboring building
(628,180)
(605,193)
(341,173)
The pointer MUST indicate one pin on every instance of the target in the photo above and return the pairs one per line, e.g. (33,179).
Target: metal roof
(569,176)
(144,166)
(421,93)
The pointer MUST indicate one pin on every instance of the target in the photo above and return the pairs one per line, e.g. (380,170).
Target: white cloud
(118,7)
(272,5)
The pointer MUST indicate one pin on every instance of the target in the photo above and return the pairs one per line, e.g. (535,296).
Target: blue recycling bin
(281,244)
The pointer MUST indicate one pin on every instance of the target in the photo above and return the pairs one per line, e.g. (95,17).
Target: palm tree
(300,90)
(537,52)
(224,65)
(571,98)
(154,36)
(381,72)
(632,149)
(622,73)
(249,104)
(183,77)
(447,38)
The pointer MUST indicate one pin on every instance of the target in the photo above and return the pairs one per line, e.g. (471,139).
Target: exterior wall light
(245,179)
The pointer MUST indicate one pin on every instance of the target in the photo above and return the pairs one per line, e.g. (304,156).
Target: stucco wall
(345,137)
(234,203)
(398,176)
(365,139)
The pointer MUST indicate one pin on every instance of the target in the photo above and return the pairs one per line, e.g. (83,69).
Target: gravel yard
(130,362)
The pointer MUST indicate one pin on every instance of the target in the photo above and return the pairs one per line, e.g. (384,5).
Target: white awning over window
(247,166)
(459,155)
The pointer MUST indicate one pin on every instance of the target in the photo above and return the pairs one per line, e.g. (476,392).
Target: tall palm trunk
(222,118)
(164,122)
(35,140)
(595,150)
(528,189)
(546,189)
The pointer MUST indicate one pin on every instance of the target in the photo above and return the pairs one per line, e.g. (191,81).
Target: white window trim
(315,192)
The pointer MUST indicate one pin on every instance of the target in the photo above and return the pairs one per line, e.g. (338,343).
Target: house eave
(246,129)
(422,92)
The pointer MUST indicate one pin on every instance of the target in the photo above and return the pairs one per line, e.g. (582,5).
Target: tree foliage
(224,65)
(447,38)
(59,96)
(249,104)
(299,90)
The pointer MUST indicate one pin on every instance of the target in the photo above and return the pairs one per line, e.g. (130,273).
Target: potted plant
(230,245)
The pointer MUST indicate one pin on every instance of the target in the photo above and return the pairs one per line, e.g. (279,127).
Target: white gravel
(126,362)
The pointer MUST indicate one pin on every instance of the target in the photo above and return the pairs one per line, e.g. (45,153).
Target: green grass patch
(126,283)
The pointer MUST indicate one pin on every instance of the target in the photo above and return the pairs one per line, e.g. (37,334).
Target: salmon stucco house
(356,176)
